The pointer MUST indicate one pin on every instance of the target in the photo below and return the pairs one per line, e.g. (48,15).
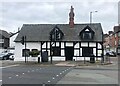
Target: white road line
(53,78)
(0,80)
(57,75)
(23,73)
(60,73)
(9,77)
(28,71)
(9,66)
(17,75)
(48,81)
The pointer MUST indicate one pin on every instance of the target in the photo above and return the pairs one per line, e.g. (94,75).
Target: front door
(87,51)
(69,53)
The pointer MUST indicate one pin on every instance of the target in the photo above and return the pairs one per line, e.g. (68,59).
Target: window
(87,33)
(119,41)
(56,51)
(27,51)
(1,40)
(115,43)
(56,34)
(115,35)
(34,52)
(118,34)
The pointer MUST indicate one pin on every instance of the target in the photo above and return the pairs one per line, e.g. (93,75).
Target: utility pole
(25,49)
(91,16)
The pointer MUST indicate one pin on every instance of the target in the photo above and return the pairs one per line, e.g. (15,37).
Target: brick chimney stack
(71,17)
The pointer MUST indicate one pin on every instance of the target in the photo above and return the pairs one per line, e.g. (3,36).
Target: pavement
(93,74)
(57,63)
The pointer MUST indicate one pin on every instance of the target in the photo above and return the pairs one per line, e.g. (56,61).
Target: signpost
(23,41)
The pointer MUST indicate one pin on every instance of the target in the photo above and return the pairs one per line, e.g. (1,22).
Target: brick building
(112,39)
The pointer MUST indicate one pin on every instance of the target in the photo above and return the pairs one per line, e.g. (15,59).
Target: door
(44,56)
(69,53)
(87,51)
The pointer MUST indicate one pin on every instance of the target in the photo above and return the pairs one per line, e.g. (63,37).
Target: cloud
(17,13)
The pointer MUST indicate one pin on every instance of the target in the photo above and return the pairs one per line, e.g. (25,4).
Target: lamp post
(91,15)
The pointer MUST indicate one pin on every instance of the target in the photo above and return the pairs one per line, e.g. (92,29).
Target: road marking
(10,77)
(17,75)
(48,81)
(60,73)
(23,73)
(28,71)
(0,80)
(53,78)
(57,75)
(9,66)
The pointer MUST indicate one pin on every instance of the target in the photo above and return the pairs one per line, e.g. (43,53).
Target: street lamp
(91,15)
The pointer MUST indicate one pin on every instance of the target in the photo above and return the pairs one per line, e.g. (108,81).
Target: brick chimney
(71,17)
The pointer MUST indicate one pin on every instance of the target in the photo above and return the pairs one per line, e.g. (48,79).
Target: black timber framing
(79,48)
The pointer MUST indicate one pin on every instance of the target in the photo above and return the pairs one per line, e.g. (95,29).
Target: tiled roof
(41,32)
(4,33)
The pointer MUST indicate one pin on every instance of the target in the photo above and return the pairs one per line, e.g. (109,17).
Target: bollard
(38,59)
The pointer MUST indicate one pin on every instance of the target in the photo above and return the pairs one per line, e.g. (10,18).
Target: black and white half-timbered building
(61,41)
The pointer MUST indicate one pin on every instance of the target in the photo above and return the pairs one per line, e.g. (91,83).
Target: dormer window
(56,34)
(87,33)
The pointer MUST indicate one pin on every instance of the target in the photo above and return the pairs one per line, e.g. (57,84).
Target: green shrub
(34,53)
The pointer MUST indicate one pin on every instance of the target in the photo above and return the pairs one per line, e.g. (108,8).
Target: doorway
(69,53)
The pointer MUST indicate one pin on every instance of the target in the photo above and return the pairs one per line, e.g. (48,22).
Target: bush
(34,53)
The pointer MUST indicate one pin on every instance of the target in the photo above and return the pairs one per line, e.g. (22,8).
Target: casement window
(56,34)
(25,51)
(119,42)
(35,52)
(87,34)
(56,51)
(118,34)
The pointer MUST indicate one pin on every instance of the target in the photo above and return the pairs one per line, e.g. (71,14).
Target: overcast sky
(15,14)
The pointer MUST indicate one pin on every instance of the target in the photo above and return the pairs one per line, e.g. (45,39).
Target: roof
(41,32)
(4,34)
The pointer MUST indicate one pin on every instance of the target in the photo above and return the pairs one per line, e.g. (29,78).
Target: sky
(15,13)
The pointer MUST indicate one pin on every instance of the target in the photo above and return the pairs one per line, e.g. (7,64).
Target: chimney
(71,17)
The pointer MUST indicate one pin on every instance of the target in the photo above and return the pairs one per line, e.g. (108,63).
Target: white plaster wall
(19,47)
(57,58)
(62,44)
(69,44)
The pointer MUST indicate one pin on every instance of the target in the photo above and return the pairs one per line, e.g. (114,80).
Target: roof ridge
(61,24)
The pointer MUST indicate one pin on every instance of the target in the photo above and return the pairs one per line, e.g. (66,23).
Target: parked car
(5,56)
(111,53)
(12,57)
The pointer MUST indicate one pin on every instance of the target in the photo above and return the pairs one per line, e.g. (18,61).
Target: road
(33,74)
(51,74)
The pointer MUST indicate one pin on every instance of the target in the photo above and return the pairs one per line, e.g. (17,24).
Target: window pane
(119,34)
(56,51)
(25,51)
(34,52)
